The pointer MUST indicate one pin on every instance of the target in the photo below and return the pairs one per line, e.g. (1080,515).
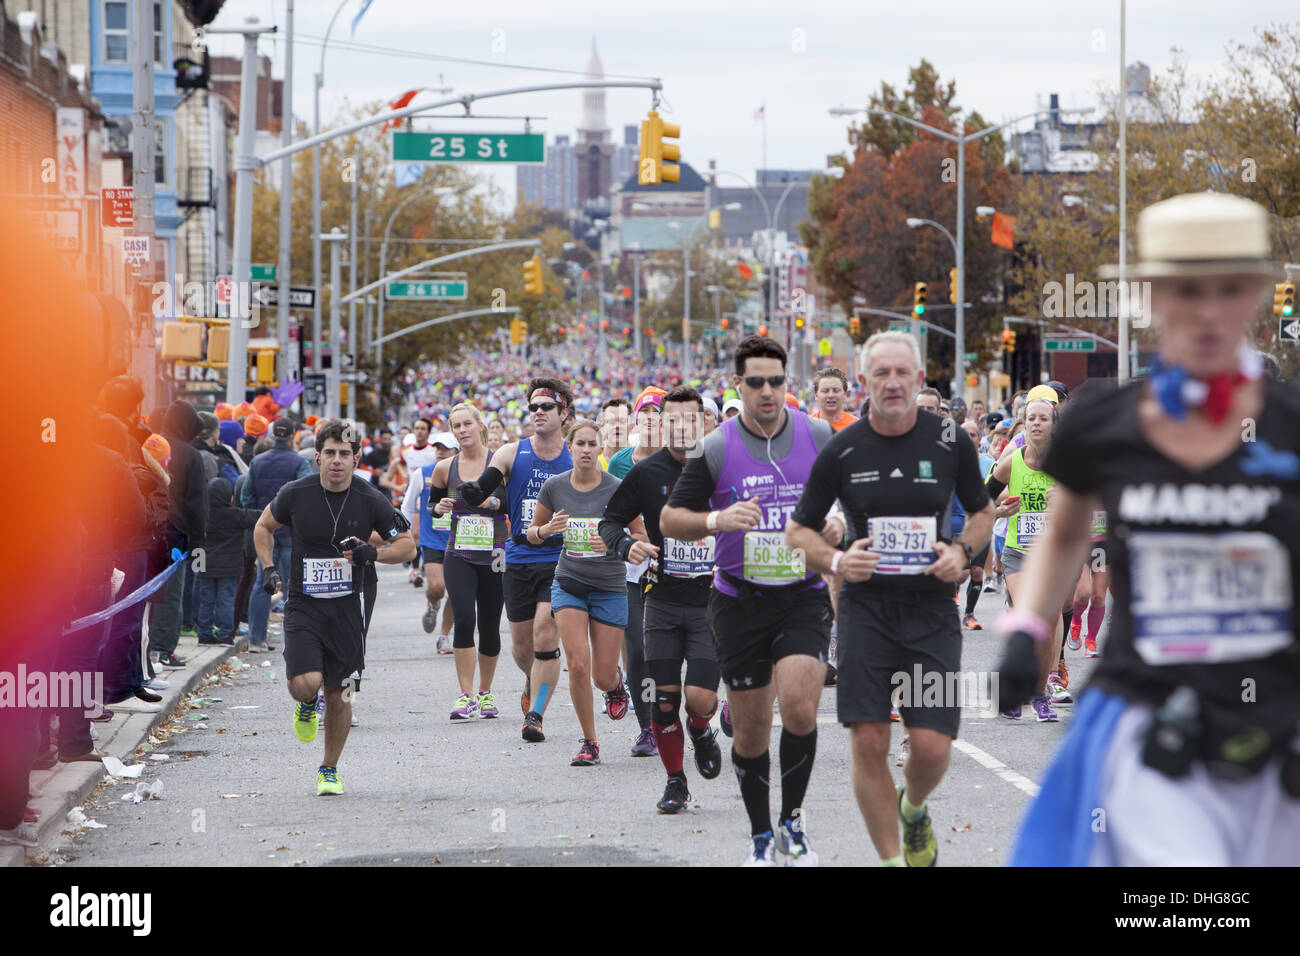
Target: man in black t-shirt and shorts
(895,473)
(331,516)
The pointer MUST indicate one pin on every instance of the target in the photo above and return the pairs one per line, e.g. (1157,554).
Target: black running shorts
(676,632)
(325,635)
(751,636)
(882,638)
(526,586)
(432,555)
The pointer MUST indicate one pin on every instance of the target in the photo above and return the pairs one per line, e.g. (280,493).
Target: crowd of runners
(701,554)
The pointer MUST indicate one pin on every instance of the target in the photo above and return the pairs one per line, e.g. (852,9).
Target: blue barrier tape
(135,597)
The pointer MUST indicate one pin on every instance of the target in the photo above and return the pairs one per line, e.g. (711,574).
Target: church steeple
(593,128)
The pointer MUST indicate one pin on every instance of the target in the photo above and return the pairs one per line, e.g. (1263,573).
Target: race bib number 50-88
(1209,597)
(769,561)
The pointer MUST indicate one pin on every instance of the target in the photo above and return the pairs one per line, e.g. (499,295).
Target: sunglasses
(756,381)
(542,406)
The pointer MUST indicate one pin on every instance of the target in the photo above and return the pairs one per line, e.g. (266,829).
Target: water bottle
(1173,738)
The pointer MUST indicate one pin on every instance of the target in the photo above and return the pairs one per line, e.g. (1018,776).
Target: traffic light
(1284,299)
(762,330)
(855,325)
(798,322)
(627,330)
(919,292)
(952,285)
(265,366)
(1008,340)
(972,381)
(658,162)
(533,276)
(518,331)
(726,323)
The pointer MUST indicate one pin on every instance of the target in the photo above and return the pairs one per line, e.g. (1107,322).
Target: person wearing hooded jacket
(223,562)
(187,522)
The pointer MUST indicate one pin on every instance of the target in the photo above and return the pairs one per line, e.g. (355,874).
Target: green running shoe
(920,848)
(328,782)
(305,721)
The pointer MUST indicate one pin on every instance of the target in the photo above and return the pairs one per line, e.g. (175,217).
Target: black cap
(992,419)
(1060,389)
(282,429)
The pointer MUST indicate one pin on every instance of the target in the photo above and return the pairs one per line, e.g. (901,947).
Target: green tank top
(1027,525)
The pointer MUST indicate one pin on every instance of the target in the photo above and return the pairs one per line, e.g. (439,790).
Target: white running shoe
(762,850)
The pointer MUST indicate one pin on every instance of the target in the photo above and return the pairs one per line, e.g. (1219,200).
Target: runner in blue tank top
(768,614)
(530,568)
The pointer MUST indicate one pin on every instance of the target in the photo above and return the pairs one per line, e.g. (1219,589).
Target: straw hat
(1201,234)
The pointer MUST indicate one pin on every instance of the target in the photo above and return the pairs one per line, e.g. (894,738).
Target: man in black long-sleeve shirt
(677,597)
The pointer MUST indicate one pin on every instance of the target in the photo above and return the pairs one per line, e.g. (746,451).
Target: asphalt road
(239,787)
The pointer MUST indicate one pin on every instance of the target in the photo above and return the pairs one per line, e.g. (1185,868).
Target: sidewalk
(67,785)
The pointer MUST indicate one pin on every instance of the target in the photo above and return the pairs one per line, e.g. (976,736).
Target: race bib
(441,522)
(578,537)
(1030,526)
(688,559)
(905,545)
(527,508)
(1098,525)
(326,577)
(769,561)
(474,533)
(1202,598)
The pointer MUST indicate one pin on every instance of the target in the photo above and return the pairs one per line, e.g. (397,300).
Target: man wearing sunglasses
(769,614)
(524,466)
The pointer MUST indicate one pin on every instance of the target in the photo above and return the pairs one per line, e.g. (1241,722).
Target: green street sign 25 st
(443,290)
(529,148)
(1069,345)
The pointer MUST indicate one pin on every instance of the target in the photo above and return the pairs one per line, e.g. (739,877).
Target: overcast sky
(720,62)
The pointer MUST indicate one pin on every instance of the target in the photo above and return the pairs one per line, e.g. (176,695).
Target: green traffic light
(1287,309)
(919,309)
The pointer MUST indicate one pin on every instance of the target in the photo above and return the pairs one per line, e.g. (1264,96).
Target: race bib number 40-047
(326,577)
(905,545)
(769,561)
(1201,598)
(688,559)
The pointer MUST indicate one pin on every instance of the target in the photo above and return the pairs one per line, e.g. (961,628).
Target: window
(119,141)
(115,32)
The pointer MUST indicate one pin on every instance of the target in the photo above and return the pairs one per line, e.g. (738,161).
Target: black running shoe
(708,753)
(675,795)
(533,728)
(831,675)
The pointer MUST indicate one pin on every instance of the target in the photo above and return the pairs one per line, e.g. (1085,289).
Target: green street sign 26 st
(1070,345)
(443,290)
(521,148)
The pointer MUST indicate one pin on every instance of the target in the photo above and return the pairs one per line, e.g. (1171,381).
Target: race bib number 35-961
(1209,597)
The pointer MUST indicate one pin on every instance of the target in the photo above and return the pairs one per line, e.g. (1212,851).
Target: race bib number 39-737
(1201,598)
(905,545)
(326,577)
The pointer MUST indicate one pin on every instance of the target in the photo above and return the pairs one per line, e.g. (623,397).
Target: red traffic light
(627,330)
(762,330)
(1007,335)
(604,323)
(650,332)
(563,330)
(726,323)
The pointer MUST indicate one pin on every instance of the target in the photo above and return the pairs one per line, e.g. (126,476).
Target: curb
(67,785)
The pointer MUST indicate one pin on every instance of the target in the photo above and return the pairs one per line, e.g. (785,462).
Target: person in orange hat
(255,426)
(792,402)
(265,405)
(224,411)
(311,421)
(243,410)
(159,448)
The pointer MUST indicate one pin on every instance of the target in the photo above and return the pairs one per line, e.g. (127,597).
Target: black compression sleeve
(478,491)
(995,487)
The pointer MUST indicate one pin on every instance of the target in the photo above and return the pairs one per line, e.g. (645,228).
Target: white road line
(985,759)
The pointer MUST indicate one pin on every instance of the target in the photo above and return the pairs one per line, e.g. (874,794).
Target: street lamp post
(315,195)
(335,237)
(959,361)
(383,268)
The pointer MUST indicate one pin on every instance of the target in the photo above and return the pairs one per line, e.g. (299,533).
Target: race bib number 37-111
(905,545)
(1209,597)
(326,577)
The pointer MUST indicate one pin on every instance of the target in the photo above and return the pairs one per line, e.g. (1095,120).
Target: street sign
(523,148)
(117,207)
(905,328)
(443,290)
(360,376)
(300,296)
(313,389)
(1288,331)
(971,356)
(1070,345)
(135,250)
(262,272)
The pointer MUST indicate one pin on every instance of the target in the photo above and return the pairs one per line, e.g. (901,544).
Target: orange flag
(745,271)
(397,104)
(1004,230)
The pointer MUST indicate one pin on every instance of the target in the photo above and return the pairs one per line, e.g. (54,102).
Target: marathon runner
(434,530)
(770,616)
(530,565)
(330,517)
(588,594)
(831,391)
(476,546)
(676,599)
(1188,737)
(1029,492)
(895,474)
(615,419)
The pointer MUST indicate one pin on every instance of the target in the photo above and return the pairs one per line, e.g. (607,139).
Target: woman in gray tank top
(588,595)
